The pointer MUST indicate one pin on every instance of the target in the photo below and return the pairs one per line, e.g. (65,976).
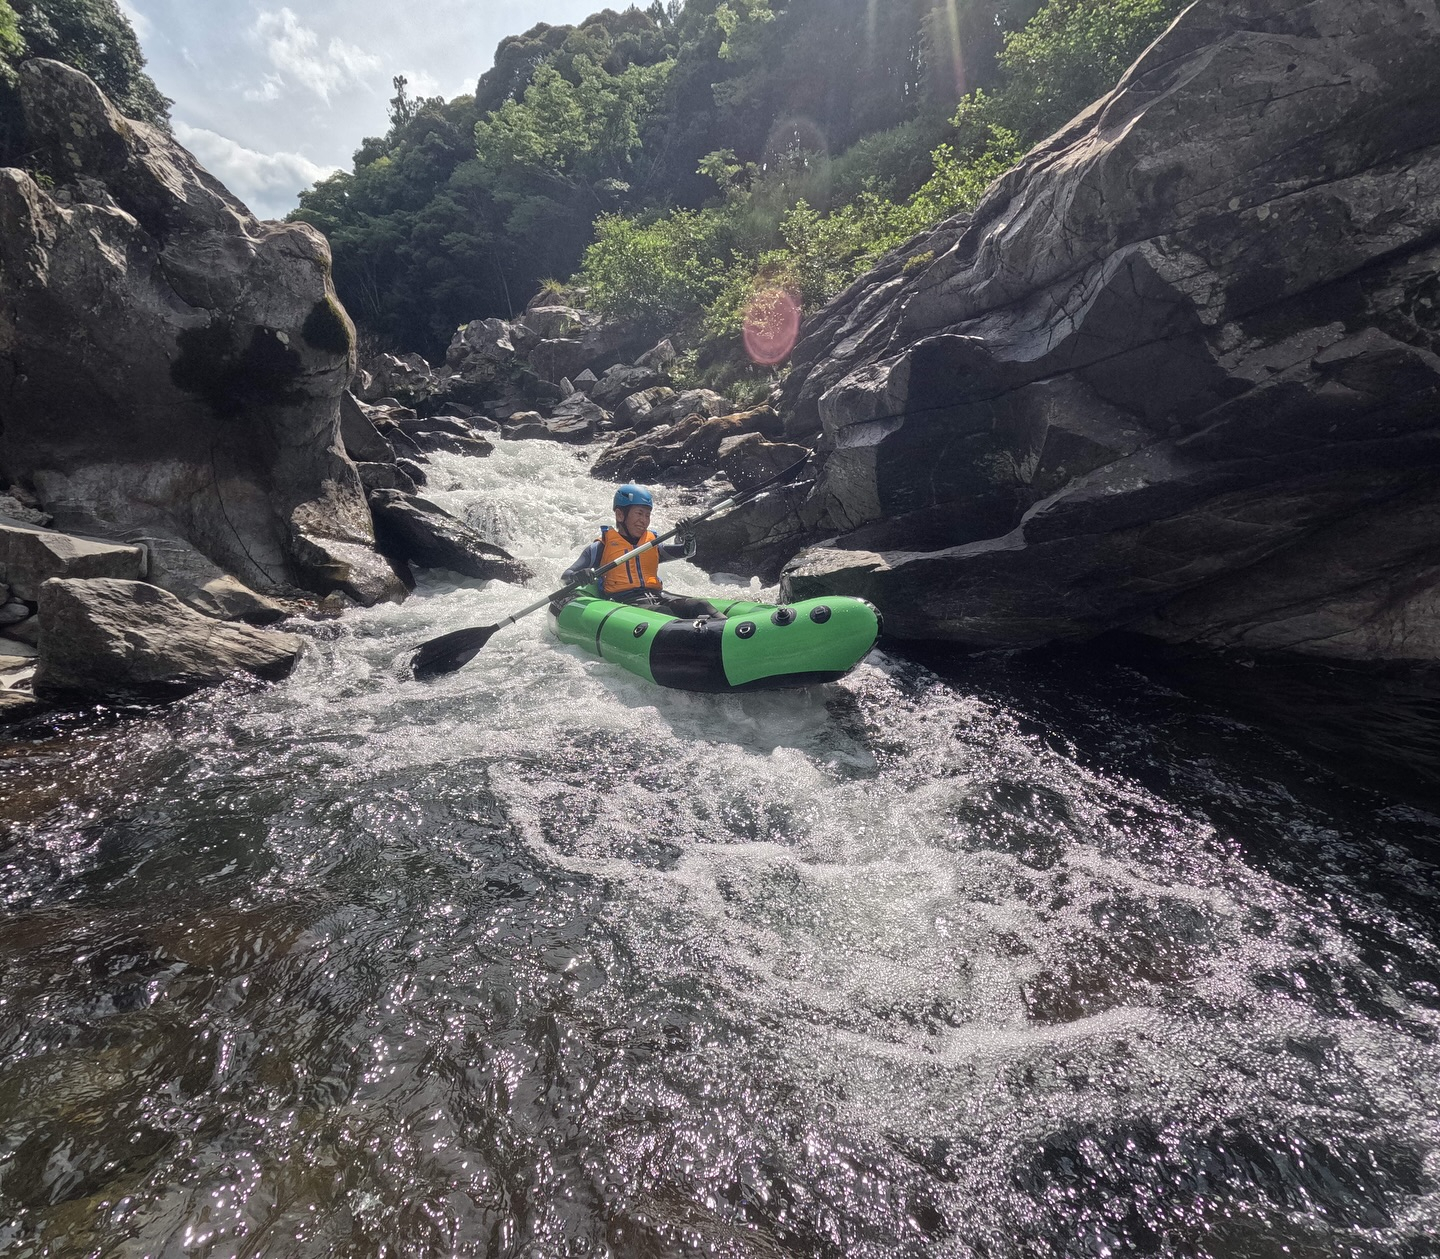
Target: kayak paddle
(450,651)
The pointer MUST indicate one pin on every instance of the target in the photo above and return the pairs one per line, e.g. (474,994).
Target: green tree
(11,43)
(809,224)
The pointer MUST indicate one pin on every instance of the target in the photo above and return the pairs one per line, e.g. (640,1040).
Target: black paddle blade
(448,652)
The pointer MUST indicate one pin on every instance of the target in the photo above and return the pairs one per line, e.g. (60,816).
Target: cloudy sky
(272,96)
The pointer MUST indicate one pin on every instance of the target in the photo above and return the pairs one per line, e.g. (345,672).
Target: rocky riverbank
(180,459)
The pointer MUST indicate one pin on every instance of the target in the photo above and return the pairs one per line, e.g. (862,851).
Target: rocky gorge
(1011,942)
(1177,373)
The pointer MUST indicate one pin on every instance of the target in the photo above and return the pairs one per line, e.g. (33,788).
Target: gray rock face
(416,531)
(1179,372)
(167,361)
(107,638)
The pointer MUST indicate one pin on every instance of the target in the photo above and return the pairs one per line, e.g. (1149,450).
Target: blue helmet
(633,496)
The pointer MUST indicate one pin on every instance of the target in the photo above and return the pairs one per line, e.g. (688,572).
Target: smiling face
(632,521)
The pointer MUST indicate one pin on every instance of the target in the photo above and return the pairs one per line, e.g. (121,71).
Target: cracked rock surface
(1178,373)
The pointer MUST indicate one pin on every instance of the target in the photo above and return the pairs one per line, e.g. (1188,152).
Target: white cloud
(267,182)
(269,90)
(422,83)
(294,51)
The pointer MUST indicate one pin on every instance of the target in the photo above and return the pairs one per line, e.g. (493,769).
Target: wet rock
(585,381)
(13,611)
(30,556)
(399,440)
(105,638)
(16,703)
(431,441)
(359,572)
(385,476)
(1178,373)
(183,362)
(576,420)
(759,541)
(578,409)
(419,532)
(411,469)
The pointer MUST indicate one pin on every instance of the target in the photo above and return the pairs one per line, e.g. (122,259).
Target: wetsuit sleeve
(589,558)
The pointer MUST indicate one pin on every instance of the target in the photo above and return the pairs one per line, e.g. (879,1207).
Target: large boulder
(174,565)
(685,453)
(647,409)
(479,347)
(416,531)
(620,381)
(407,378)
(105,638)
(1179,372)
(558,358)
(169,362)
(363,441)
(749,460)
(30,556)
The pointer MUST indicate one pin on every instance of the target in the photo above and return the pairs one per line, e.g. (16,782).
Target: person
(637,581)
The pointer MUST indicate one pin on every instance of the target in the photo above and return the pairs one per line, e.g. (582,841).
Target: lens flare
(772,326)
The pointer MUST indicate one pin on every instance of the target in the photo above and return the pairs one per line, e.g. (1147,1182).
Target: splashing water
(542,961)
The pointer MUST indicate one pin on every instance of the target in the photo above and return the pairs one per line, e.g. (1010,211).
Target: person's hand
(584,577)
(685,531)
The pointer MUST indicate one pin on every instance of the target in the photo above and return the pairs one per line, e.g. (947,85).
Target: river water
(1037,958)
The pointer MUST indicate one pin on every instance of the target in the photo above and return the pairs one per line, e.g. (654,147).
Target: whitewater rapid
(540,960)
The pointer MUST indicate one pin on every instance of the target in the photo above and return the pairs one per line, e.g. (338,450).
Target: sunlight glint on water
(540,960)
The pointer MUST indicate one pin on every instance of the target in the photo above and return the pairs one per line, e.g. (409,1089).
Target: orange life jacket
(641,573)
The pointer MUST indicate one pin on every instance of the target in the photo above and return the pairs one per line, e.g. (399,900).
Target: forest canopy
(670,158)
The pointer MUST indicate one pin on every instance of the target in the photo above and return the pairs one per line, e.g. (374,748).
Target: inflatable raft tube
(748,647)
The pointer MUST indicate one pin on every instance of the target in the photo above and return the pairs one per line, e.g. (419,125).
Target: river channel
(1036,958)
